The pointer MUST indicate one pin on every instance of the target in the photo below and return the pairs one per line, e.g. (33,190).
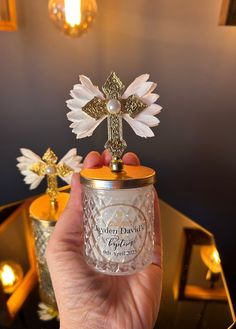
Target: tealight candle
(11,276)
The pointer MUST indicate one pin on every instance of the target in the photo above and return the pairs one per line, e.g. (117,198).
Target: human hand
(90,300)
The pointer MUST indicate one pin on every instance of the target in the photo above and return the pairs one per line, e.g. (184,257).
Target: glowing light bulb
(73,17)
(11,275)
(73,12)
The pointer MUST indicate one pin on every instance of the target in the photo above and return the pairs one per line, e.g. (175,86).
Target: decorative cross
(114,106)
(48,166)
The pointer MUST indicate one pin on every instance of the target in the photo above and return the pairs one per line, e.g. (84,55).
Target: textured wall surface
(180,44)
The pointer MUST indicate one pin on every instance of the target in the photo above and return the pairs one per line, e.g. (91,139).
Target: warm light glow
(211,258)
(7,276)
(11,276)
(72,17)
(73,12)
(215,257)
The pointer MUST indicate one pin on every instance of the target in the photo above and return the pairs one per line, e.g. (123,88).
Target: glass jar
(43,226)
(118,219)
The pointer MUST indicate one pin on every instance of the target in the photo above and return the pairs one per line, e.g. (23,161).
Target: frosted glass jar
(118,219)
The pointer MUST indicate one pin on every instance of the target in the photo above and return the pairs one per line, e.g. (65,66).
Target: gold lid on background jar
(41,209)
(129,177)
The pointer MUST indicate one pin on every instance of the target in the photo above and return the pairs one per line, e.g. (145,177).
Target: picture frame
(228,13)
(183,290)
(8,20)
(18,227)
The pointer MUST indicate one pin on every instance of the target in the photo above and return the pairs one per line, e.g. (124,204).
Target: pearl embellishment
(50,170)
(113,106)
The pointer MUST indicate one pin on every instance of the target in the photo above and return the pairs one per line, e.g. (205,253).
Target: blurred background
(193,61)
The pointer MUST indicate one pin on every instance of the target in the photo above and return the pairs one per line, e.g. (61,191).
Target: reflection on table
(193,296)
(194,291)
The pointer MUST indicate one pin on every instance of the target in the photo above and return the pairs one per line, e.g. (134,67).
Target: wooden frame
(228,13)
(8,20)
(9,307)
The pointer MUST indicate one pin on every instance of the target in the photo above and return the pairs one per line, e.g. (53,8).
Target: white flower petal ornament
(47,313)
(35,168)
(89,107)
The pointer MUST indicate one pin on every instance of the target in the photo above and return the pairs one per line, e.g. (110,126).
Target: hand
(90,300)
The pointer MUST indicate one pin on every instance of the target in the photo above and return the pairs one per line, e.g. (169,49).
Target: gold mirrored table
(194,295)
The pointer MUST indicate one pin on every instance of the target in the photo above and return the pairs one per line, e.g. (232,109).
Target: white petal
(76,103)
(36,182)
(22,167)
(149,120)
(25,161)
(150,98)
(30,178)
(84,128)
(139,128)
(90,86)
(72,160)
(30,155)
(45,316)
(82,93)
(21,158)
(74,163)
(145,88)
(132,88)
(153,109)
(26,172)
(93,125)
(77,115)
(43,306)
(33,180)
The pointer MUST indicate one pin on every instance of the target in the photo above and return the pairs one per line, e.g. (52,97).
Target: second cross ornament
(46,209)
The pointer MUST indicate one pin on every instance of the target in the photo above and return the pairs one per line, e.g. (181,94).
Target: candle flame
(73,12)
(7,275)
(215,257)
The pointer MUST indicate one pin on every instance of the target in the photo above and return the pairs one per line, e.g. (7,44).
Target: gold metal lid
(41,208)
(129,177)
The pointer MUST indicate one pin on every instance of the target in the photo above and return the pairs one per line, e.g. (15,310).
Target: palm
(110,301)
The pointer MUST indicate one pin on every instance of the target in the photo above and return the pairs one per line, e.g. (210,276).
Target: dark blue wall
(187,53)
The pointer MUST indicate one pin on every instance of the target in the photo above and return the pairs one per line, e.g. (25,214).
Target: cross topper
(35,168)
(136,105)
(51,169)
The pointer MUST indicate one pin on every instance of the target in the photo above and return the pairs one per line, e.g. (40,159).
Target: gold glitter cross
(114,107)
(48,166)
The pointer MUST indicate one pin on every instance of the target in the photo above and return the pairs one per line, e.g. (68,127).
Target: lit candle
(215,257)
(11,275)
(211,258)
